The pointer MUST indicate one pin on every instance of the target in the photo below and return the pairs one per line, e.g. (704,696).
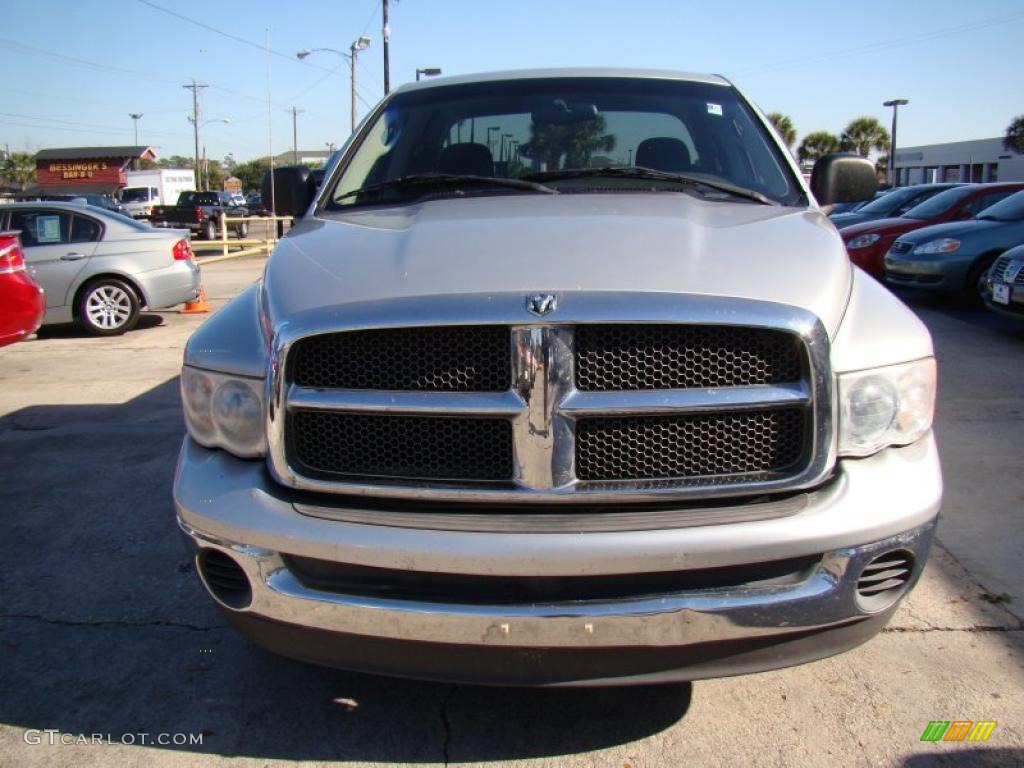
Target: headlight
(863,241)
(885,406)
(945,245)
(224,411)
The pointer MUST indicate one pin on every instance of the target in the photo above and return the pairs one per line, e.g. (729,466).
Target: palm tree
(19,168)
(784,126)
(1014,139)
(864,134)
(577,142)
(817,144)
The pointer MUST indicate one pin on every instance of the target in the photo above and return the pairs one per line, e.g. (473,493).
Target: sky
(75,69)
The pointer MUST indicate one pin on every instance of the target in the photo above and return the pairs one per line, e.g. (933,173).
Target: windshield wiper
(637,172)
(447,180)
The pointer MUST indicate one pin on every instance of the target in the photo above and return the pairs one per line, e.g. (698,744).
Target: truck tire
(210,230)
(108,307)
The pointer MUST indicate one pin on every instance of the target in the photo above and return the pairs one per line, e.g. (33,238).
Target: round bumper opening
(224,579)
(884,580)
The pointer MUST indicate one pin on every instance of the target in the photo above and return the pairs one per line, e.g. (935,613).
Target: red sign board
(65,172)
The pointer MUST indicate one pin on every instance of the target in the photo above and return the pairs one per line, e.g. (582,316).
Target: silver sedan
(99,268)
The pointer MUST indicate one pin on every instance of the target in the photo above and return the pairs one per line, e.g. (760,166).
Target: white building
(979,160)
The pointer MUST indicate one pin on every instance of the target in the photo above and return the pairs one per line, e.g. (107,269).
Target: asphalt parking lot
(105,629)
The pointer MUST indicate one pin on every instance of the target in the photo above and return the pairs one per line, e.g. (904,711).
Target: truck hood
(658,242)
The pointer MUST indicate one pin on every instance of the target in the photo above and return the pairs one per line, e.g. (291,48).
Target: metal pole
(135,119)
(295,134)
(195,122)
(386,32)
(895,104)
(352,62)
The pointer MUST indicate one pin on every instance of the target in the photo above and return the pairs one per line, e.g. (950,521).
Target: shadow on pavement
(75,331)
(996,756)
(104,628)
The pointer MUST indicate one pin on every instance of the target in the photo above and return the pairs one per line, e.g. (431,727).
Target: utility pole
(135,116)
(195,122)
(295,134)
(386,31)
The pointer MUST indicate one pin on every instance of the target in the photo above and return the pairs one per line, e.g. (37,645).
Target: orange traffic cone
(198,306)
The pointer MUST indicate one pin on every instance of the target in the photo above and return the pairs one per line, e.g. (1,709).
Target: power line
(236,38)
(881,46)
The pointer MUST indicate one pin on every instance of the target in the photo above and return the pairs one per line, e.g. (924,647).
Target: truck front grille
(518,410)
(406,447)
(739,444)
(443,359)
(637,357)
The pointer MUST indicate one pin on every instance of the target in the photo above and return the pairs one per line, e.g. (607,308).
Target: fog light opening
(884,580)
(224,579)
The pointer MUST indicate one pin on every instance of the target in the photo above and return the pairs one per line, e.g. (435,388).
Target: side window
(41,227)
(84,230)
(981,202)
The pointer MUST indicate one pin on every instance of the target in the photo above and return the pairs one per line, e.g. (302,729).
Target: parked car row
(948,241)
(87,265)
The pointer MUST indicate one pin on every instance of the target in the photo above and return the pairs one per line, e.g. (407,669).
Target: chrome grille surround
(544,404)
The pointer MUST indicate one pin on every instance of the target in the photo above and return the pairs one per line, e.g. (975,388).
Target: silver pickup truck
(561,378)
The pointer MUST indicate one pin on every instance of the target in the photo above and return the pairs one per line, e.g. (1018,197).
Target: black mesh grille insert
(625,357)
(701,445)
(384,445)
(441,359)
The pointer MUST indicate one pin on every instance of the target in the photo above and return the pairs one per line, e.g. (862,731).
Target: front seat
(663,154)
(466,159)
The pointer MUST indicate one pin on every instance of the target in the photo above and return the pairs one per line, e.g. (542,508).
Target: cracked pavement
(105,629)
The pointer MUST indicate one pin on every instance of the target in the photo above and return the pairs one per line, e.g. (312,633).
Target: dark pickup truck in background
(201,213)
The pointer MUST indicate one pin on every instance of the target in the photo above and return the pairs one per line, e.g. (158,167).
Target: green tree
(251,173)
(176,161)
(19,168)
(576,142)
(864,134)
(1014,138)
(817,144)
(784,126)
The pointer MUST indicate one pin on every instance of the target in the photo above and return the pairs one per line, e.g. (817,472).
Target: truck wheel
(242,230)
(210,230)
(108,307)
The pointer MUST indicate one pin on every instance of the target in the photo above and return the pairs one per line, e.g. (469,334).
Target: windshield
(1008,209)
(892,201)
(939,204)
(516,128)
(135,195)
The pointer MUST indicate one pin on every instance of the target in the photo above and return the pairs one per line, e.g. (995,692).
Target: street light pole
(386,33)
(135,116)
(490,146)
(427,72)
(895,104)
(361,44)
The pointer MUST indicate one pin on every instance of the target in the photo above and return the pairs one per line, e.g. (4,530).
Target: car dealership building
(978,160)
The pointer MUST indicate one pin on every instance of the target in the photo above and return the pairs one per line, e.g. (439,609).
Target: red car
(868,243)
(22,303)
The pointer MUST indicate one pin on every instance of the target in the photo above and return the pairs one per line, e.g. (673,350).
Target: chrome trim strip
(544,382)
(680,401)
(495,404)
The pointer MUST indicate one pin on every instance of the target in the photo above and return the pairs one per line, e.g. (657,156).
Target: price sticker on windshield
(714,109)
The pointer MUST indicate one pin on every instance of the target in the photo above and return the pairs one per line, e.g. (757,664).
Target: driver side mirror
(843,178)
(292,190)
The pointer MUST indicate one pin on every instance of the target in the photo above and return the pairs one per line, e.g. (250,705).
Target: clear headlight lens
(223,411)
(943,245)
(863,241)
(885,406)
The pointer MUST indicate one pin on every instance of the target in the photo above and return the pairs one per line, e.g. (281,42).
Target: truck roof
(522,74)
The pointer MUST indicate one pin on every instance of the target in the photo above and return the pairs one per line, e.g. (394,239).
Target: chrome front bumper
(889,501)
